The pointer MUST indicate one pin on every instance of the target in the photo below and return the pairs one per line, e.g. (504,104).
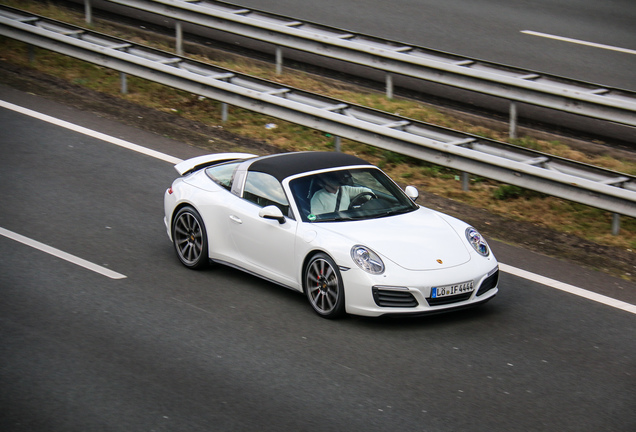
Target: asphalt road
(492,30)
(167,349)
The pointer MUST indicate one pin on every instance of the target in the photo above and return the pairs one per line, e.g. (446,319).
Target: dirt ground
(615,261)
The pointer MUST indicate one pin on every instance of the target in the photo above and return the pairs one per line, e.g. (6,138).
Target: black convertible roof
(284,165)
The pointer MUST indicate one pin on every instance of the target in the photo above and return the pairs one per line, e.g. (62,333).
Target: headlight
(367,260)
(477,241)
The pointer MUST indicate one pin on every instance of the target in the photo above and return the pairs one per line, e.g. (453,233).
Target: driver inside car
(335,194)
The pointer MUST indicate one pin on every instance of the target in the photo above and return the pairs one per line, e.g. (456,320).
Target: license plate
(450,290)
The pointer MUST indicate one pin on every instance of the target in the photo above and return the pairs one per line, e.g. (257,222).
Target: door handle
(236,219)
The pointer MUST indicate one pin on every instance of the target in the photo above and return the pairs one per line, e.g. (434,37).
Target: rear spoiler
(196,163)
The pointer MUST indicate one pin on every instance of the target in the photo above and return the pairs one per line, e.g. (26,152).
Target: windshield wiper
(402,211)
(387,213)
(336,218)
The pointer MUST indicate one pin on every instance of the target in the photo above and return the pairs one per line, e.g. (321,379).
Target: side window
(223,174)
(263,190)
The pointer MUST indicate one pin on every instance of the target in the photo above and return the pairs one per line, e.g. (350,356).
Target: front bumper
(410,293)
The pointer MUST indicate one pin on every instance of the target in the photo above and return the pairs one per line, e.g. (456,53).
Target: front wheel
(323,286)
(190,239)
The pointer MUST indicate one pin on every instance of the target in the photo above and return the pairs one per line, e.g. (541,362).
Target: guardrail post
(513,120)
(223,112)
(31,54)
(124,82)
(465,181)
(179,37)
(279,60)
(336,143)
(616,223)
(88,10)
(389,86)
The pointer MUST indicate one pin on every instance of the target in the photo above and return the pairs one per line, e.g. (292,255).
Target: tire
(190,238)
(323,287)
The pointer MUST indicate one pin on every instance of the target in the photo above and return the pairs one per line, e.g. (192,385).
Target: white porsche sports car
(331,226)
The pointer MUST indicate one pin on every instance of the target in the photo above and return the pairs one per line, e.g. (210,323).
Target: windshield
(352,194)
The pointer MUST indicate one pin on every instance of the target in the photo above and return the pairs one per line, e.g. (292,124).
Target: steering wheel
(359,199)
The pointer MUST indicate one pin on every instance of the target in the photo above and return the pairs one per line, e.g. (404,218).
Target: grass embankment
(509,201)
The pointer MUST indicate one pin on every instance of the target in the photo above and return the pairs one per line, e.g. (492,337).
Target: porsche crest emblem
(439,261)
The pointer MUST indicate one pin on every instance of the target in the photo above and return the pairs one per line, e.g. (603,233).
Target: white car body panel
(399,239)
(264,246)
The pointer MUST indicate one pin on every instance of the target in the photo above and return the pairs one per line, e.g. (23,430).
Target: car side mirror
(272,212)
(412,192)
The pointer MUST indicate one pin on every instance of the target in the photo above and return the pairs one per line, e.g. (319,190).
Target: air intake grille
(393,298)
(489,283)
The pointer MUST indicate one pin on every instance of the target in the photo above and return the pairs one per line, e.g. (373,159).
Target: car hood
(420,240)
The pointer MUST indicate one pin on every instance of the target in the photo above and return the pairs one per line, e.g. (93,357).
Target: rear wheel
(323,286)
(190,239)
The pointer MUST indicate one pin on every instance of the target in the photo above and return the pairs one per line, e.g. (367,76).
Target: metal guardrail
(596,187)
(514,84)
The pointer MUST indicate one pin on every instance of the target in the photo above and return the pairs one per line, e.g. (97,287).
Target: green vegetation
(510,201)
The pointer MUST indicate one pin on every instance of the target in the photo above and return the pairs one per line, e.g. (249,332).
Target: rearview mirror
(412,192)
(272,212)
